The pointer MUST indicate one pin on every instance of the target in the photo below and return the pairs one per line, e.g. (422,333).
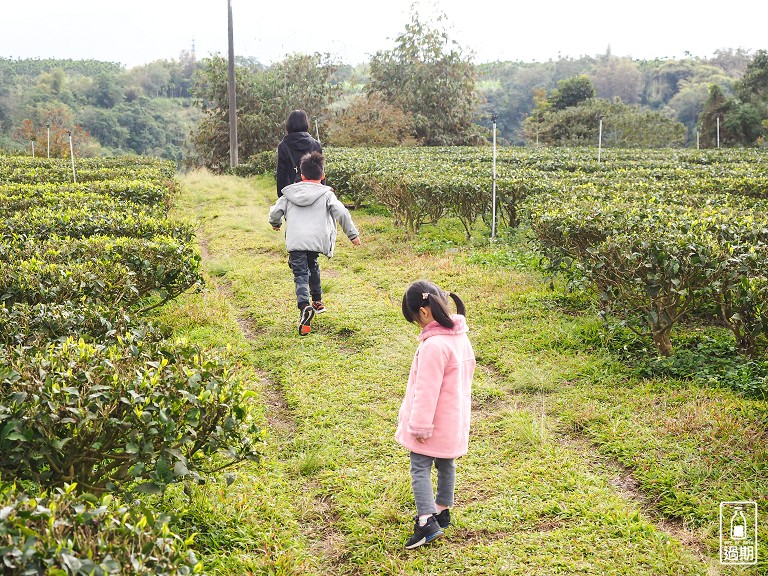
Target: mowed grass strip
(332,495)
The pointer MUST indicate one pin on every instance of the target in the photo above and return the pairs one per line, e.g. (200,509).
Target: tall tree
(753,86)
(571,91)
(615,77)
(428,77)
(264,99)
(715,108)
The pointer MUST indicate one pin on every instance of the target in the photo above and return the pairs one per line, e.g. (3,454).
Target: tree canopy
(430,79)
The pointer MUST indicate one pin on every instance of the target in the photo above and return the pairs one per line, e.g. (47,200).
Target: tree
(753,86)
(741,118)
(264,99)
(688,103)
(106,92)
(742,124)
(104,125)
(427,76)
(62,124)
(731,62)
(571,92)
(624,126)
(716,106)
(617,78)
(370,121)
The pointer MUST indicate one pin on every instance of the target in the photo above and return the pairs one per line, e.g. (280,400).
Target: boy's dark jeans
(306,276)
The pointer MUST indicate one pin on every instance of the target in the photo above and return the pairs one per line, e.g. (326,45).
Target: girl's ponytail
(460,309)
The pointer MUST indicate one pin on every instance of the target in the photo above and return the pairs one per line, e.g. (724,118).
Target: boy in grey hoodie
(311,211)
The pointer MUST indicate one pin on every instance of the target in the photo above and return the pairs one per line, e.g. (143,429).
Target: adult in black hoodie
(296,142)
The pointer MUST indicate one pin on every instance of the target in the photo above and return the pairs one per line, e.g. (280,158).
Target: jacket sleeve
(276,213)
(281,172)
(426,390)
(341,215)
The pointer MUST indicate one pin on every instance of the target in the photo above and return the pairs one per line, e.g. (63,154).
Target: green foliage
(624,126)
(89,395)
(570,451)
(662,235)
(738,121)
(16,197)
(571,92)
(659,254)
(109,110)
(108,416)
(709,361)
(61,533)
(429,79)
(96,270)
(369,120)
(260,163)
(264,100)
(753,86)
(26,170)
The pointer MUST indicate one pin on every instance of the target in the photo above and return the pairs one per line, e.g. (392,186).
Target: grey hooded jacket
(311,211)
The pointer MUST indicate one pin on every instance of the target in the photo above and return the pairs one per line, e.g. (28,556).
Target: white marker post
(493,195)
(72,155)
(600,138)
(718,132)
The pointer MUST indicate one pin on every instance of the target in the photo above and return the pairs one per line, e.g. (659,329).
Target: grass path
(574,467)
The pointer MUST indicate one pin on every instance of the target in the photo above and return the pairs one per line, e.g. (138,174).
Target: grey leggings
(421,482)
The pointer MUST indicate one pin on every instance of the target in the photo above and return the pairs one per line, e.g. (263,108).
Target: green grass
(557,418)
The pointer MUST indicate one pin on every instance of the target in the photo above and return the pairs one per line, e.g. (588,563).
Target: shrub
(61,533)
(137,412)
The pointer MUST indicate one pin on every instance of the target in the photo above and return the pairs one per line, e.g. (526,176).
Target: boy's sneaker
(424,534)
(305,319)
(444,518)
(318,306)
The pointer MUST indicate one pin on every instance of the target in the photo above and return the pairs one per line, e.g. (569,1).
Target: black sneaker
(318,306)
(444,518)
(305,319)
(424,534)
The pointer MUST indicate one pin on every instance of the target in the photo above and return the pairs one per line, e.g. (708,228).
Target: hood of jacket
(434,328)
(300,143)
(305,193)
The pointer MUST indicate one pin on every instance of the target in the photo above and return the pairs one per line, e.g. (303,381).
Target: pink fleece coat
(438,397)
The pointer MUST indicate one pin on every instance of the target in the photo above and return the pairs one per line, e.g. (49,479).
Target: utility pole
(232,98)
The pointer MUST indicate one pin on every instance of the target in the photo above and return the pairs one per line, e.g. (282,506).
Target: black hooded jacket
(289,153)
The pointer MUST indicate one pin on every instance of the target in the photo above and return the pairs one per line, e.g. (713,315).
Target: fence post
(493,195)
(600,138)
(72,155)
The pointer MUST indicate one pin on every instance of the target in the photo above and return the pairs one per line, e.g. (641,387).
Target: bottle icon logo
(738,533)
(738,524)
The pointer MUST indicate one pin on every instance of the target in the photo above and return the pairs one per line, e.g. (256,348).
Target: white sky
(139,31)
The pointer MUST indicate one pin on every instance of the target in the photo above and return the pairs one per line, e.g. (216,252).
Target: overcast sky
(139,31)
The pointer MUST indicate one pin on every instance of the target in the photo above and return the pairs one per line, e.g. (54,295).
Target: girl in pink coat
(434,416)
